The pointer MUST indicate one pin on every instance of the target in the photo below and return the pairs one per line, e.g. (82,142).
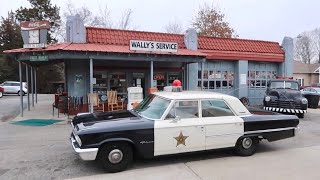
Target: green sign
(39,58)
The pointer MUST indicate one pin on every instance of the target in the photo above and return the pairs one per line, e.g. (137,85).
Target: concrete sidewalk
(300,163)
(42,110)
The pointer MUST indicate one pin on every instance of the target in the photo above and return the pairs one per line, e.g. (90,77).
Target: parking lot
(10,106)
(45,153)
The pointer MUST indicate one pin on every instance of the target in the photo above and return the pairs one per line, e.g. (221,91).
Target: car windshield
(152,107)
(284,85)
(317,89)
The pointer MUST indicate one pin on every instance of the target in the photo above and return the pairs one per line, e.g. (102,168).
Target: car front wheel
(115,157)
(1,94)
(301,115)
(246,146)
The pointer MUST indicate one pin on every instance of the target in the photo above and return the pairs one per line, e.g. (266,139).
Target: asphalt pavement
(45,153)
(10,106)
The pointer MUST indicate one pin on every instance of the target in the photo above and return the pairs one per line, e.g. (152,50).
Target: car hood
(109,122)
(286,94)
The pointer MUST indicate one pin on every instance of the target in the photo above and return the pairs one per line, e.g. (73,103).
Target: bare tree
(210,21)
(174,28)
(104,18)
(125,21)
(304,48)
(316,41)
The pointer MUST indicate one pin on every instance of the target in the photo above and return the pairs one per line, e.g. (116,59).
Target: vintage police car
(283,96)
(167,123)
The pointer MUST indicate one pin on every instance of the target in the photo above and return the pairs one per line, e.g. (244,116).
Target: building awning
(103,48)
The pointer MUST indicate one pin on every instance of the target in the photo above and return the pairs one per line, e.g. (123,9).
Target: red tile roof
(114,40)
(102,48)
(215,48)
(123,37)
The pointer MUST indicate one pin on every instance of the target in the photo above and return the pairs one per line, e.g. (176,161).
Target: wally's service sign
(137,45)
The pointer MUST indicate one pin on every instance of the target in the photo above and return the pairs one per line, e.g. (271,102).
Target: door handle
(201,127)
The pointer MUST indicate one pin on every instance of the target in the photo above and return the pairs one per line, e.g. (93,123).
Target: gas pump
(135,96)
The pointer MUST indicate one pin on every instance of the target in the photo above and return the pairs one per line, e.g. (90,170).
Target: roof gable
(300,67)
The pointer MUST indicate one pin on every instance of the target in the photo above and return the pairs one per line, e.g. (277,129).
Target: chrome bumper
(89,154)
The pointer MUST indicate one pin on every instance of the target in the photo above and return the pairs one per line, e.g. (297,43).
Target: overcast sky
(252,19)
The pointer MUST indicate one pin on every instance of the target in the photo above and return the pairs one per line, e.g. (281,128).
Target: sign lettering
(137,45)
(34,25)
(39,58)
(31,46)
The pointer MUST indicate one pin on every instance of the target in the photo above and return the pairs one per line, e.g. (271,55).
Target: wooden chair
(94,99)
(113,103)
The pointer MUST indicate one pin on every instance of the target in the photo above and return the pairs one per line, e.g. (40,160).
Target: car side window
(184,110)
(215,108)
(15,84)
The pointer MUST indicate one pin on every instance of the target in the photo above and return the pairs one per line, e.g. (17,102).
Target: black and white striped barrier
(283,110)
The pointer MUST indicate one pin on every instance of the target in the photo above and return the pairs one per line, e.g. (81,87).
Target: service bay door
(222,127)
(177,136)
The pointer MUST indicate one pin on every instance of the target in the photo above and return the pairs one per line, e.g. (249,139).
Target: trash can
(313,100)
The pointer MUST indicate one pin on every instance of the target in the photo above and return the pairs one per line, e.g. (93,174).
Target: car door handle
(201,127)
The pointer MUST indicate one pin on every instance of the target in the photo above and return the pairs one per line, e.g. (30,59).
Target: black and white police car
(167,123)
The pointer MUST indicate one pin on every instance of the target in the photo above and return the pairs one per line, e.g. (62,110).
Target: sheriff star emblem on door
(181,139)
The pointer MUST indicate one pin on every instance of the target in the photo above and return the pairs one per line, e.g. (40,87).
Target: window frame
(173,102)
(212,99)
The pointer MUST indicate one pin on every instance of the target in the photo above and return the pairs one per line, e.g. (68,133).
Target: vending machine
(135,96)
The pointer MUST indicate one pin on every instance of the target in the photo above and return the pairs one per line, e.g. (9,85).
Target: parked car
(13,87)
(1,91)
(284,96)
(167,123)
(311,90)
(312,94)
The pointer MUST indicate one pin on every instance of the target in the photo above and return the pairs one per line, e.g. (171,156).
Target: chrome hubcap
(115,156)
(246,143)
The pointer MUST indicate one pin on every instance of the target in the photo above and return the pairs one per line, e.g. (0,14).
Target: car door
(222,127)
(181,130)
(7,87)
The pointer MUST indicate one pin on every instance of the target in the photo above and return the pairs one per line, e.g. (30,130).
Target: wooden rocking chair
(94,99)
(113,103)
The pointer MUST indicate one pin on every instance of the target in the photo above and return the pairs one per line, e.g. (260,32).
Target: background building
(306,74)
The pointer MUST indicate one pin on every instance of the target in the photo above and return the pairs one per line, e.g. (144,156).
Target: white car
(167,123)
(13,87)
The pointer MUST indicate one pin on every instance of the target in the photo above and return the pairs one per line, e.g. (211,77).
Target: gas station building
(98,60)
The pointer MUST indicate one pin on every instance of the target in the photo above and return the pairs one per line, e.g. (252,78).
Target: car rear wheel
(115,157)
(246,146)
(1,94)
(23,93)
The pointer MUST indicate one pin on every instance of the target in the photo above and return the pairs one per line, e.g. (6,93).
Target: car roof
(13,82)
(189,95)
(281,80)
(235,103)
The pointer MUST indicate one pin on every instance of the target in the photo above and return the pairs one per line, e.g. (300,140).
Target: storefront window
(118,82)
(159,80)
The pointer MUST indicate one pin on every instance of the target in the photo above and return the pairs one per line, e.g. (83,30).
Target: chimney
(76,31)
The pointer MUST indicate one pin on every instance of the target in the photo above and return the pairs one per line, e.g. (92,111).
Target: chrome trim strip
(269,130)
(89,154)
(233,134)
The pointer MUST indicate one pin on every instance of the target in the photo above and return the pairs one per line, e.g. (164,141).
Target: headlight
(78,139)
(304,101)
(267,98)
